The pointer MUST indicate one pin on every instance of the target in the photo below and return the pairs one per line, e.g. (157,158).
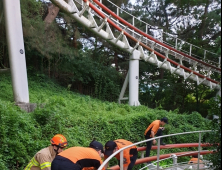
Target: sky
(133,1)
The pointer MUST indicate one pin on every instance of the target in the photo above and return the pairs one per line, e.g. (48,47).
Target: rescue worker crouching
(78,158)
(129,155)
(43,159)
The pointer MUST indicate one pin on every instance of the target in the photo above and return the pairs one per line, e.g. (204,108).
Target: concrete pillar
(134,79)
(16,49)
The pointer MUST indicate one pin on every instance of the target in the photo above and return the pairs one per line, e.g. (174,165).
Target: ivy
(81,119)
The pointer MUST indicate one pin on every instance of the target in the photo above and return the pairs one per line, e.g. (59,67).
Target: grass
(78,117)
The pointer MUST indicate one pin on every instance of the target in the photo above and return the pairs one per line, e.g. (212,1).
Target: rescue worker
(151,131)
(78,158)
(102,157)
(194,161)
(129,155)
(43,159)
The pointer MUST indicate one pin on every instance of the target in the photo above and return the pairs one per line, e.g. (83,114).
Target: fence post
(191,49)
(142,154)
(158,154)
(199,149)
(121,160)
(174,157)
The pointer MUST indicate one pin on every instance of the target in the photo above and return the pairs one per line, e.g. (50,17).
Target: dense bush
(215,137)
(80,118)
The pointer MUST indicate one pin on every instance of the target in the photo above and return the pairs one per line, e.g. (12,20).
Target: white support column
(121,160)
(12,13)
(134,79)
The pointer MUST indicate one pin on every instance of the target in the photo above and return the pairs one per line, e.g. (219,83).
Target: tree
(215,137)
(193,21)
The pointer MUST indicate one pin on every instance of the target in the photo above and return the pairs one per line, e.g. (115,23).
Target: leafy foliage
(215,137)
(80,118)
(158,87)
(87,64)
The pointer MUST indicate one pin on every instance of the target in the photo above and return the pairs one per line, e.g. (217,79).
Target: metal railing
(120,151)
(176,164)
(178,43)
(86,13)
(184,165)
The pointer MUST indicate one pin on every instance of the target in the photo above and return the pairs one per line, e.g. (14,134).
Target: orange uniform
(127,153)
(154,126)
(80,156)
(194,161)
(90,168)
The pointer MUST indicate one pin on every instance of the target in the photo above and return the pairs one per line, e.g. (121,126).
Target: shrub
(81,119)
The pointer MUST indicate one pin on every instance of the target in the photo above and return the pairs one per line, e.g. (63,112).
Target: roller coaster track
(151,50)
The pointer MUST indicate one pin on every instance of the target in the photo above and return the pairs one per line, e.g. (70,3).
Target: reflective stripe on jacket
(42,159)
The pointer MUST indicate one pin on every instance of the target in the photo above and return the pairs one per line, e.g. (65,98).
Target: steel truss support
(12,13)
(121,97)
(140,50)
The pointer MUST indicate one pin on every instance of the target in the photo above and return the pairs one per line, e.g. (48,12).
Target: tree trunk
(52,13)
(75,37)
(203,24)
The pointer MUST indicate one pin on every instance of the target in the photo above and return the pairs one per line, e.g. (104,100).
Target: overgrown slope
(80,118)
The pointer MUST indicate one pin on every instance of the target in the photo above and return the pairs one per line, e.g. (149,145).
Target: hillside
(80,118)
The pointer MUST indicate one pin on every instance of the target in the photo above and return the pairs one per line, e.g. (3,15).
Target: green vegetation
(82,62)
(215,137)
(80,118)
(78,59)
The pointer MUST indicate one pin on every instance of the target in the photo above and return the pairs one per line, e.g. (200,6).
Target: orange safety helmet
(59,140)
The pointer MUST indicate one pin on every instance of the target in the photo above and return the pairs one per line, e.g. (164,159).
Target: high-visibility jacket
(154,126)
(127,153)
(195,161)
(84,157)
(42,159)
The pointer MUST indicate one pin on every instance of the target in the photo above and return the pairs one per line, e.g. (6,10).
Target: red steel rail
(150,37)
(170,146)
(182,145)
(148,48)
(154,158)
